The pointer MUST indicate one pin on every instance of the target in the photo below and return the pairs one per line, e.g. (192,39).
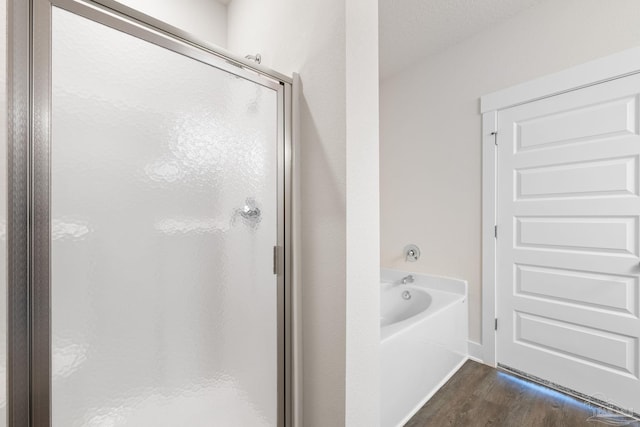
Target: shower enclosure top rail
(184,36)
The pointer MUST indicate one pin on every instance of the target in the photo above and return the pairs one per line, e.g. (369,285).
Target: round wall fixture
(411,253)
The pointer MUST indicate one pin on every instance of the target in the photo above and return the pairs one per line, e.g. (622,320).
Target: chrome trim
(158,27)
(18,154)
(287,267)
(280,262)
(292,257)
(40,215)
(285,360)
(136,27)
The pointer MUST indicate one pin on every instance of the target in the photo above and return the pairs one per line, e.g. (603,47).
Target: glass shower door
(164,215)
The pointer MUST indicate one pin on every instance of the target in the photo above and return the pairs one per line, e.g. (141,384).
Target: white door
(568,213)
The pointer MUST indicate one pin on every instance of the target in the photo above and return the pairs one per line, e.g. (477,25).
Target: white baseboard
(475,351)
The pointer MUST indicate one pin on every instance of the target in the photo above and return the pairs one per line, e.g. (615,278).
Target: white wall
(363,216)
(430,129)
(205,19)
(333,46)
(321,166)
(255,26)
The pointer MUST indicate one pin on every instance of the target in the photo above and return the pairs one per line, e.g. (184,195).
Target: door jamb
(489,221)
(591,73)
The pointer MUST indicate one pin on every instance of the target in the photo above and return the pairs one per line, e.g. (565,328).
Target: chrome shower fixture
(411,253)
(257,58)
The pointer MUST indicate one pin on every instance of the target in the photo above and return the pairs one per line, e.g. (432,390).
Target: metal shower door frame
(29,233)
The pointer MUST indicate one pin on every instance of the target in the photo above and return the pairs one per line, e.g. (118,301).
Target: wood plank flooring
(478,395)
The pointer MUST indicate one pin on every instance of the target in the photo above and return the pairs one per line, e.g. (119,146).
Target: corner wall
(333,46)
(430,129)
(363,216)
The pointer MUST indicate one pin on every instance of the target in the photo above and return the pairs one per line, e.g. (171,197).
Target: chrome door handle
(250,211)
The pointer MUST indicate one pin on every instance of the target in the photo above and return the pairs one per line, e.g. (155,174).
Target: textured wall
(430,143)
(363,220)
(414,29)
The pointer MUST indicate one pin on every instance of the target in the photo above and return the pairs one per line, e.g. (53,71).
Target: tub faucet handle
(411,253)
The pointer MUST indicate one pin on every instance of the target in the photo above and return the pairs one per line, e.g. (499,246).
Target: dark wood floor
(477,395)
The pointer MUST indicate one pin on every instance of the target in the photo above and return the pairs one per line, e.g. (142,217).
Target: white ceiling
(411,30)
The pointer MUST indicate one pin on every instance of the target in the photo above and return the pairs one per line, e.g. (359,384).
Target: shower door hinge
(495,231)
(276,260)
(496,323)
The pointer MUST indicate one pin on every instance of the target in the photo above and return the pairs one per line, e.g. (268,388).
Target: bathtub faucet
(407,279)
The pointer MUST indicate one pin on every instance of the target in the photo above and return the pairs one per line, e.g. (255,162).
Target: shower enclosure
(149,187)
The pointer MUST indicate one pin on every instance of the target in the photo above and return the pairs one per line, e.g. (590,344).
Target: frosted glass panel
(164,215)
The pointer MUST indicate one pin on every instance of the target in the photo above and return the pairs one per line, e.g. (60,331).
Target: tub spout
(407,279)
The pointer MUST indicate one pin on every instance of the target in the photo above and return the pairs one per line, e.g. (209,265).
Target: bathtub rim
(452,290)
(432,281)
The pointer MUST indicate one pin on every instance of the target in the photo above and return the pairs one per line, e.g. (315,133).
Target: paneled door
(159,200)
(568,214)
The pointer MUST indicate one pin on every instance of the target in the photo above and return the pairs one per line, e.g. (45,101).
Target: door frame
(591,73)
(29,110)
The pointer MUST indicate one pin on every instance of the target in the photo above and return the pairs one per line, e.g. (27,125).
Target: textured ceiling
(413,29)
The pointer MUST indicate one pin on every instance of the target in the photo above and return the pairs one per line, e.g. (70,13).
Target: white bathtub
(423,340)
